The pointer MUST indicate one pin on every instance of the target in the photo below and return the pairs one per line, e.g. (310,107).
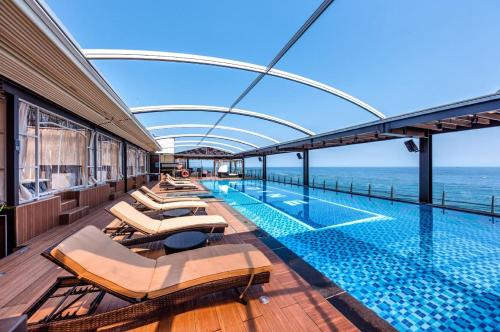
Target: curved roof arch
(219,109)
(187,125)
(210,142)
(209,136)
(117,54)
(206,146)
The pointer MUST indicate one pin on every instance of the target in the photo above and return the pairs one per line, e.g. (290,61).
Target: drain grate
(264,299)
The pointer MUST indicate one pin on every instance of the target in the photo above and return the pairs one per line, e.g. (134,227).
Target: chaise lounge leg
(241,298)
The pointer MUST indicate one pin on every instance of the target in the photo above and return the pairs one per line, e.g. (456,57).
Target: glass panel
(62,154)
(108,154)
(131,161)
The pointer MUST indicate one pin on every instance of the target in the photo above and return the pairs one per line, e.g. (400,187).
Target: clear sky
(398,56)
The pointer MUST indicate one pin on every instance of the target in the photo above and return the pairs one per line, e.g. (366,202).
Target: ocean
(466,187)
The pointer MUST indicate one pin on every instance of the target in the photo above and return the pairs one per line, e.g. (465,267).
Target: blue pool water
(417,267)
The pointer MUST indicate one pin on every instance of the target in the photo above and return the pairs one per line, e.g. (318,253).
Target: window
(108,158)
(142,156)
(131,161)
(54,152)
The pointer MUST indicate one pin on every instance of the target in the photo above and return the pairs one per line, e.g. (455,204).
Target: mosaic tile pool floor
(419,268)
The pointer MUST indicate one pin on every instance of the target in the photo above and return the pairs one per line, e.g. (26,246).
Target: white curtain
(131,161)
(120,160)
(62,157)
(26,155)
(62,153)
(108,159)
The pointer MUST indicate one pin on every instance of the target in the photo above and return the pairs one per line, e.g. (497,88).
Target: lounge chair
(177,180)
(180,185)
(134,221)
(101,266)
(223,172)
(164,199)
(150,204)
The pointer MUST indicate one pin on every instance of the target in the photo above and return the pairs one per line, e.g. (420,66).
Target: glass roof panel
(402,56)
(251,31)
(381,52)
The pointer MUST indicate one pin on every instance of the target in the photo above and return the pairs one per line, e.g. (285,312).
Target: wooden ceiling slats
(490,116)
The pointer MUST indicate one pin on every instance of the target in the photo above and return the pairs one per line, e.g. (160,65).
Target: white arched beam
(174,126)
(110,54)
(209,142)
(206,146)
(218,109)
(209,136)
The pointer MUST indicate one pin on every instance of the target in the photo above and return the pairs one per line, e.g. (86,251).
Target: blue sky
(398,56)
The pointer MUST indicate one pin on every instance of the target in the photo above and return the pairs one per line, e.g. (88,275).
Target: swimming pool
(417,267)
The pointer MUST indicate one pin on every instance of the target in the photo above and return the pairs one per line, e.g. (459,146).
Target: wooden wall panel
(140,180)
(118,185)
(93,196)
(34,218)
(131,183)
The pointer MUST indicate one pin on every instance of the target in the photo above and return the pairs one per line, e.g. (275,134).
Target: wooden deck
(293,306)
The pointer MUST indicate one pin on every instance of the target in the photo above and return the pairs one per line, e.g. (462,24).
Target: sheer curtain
(108,158)
(54,152)
(88,175)
(114,155)
(120,161)
(26,155)
(131,161)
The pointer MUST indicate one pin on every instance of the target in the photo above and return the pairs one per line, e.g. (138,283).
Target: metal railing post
(336,185)
(369,189)
(350,188)
(392,192)
(313,183)
(443,196)
(492,204)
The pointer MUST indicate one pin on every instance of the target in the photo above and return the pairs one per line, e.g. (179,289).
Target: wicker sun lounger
(101,266)
(168,176)
(150,204)
(164,199)
(136,227)
(179,184)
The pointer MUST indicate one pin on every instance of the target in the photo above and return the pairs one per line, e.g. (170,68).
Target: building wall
(30,218)
(3,174)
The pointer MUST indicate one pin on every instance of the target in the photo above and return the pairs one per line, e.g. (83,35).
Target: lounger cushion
(138,220)
(150,204)
(171,225)
(94,256)
(163,199)
(193,267)
(148,225)
(181,184)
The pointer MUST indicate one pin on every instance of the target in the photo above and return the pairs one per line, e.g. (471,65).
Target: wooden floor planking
(293,306)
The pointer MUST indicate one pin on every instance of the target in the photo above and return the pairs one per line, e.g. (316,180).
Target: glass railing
(408,193)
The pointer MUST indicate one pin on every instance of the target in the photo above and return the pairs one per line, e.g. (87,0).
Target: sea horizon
(471,187)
